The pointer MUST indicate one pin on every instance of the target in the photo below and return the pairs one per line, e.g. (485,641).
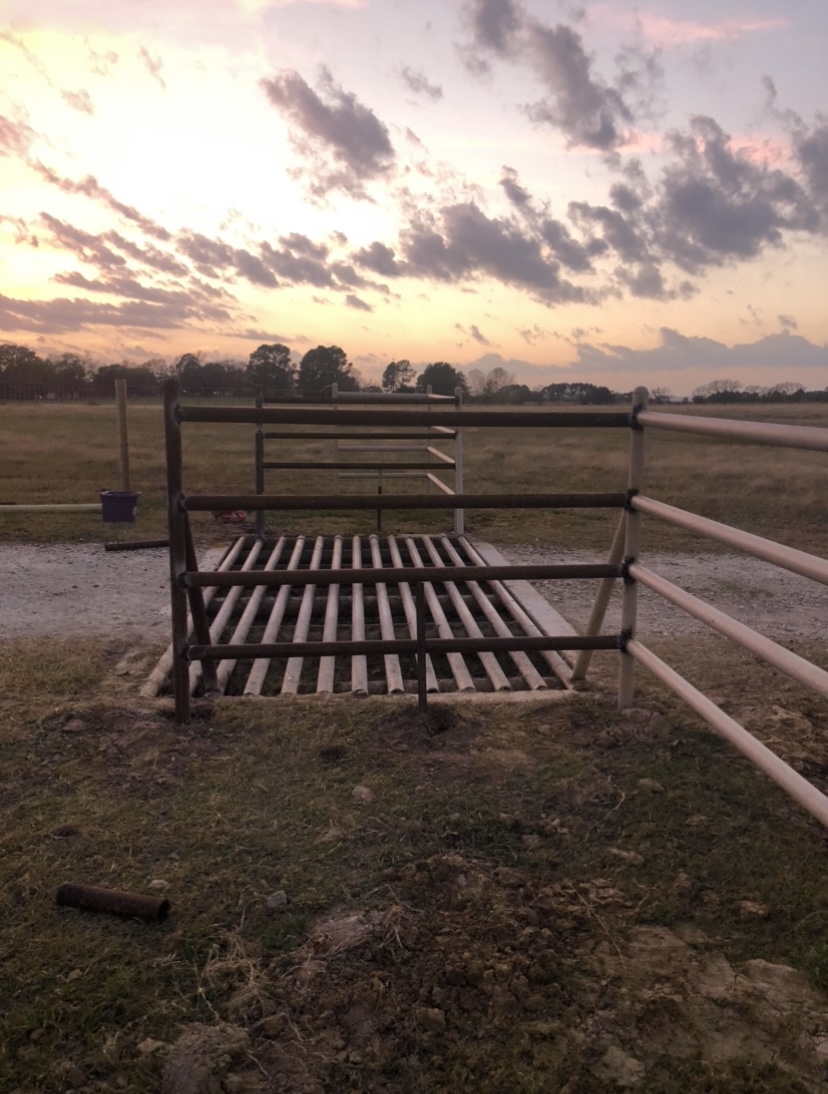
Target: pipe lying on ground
(90,898)
(137,545)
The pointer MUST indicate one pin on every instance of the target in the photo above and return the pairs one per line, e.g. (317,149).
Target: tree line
(271,368)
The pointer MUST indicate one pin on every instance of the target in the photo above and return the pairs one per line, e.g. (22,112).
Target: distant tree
(660,394)
(21,365)
(578,392)
(495,382)
(475,382)
(718,391)
(442,378)
(516,395)
(271,369)
(398,376)
(69,368)
(138,377)
(787,389)
(324,366)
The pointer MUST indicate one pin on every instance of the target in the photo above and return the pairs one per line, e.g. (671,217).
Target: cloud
(154,66)
(465,242)
(355,302)
(378,258)
(494,25)
(811,148)
(79,100)
(587,111)
(332,123)
(716,204)
(64,315)
(16,137)
(419,84)
(213,256)
(474,331)
(787,322)
(783,352)
(679,32)
(297,263)
(91,188)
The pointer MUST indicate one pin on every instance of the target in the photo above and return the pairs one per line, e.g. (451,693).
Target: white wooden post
(632,539)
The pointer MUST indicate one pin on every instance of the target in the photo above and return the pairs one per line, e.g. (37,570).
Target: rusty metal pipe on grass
(91,898)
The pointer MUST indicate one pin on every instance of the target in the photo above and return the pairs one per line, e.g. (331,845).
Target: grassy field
(534,897)
(376,903)
(65,453)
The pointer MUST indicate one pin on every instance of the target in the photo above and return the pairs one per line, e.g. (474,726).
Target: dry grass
(64,453)
(517,806)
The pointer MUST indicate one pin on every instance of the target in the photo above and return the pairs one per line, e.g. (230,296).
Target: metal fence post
(459,514)
(260,478)
(632,538)
(177,522)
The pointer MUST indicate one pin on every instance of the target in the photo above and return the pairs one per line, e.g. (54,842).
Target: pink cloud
(662,30)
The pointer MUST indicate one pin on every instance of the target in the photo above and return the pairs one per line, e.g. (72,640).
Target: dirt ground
(74,589)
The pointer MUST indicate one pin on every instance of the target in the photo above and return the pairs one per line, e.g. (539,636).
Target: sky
(615,193)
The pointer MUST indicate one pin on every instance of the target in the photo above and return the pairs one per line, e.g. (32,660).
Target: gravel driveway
(82,590)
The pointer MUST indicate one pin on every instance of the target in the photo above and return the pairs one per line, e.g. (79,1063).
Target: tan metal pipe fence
(375,455)
(188,584)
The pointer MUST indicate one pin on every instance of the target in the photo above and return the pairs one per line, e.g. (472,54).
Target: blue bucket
(119,506)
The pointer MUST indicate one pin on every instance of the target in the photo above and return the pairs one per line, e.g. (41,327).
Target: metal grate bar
(524,666)
(393,672)
(258,672)
(293,669)
(461,674)
(488,660)
(327,665)
(225,668)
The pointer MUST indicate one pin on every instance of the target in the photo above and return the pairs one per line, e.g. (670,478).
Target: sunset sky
(616,193)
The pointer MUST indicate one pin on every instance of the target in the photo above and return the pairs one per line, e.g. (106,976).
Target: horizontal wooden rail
(789,558)
(786,436)
(258,650)
(759,755)
(408,575)
(225,503)
(790,663)
(324,416)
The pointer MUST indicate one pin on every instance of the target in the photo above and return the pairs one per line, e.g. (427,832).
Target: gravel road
(82,590)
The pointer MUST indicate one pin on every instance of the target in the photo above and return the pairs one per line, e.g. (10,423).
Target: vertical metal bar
(293,669)
(359,664)
(256,679)
(176,521)
(410,609)
(123,436)
(325,681)
(525,667)
(459,514)
(224,614)
(260,475)
(459,669)
(198,610)
(488,660)
(156,679)
(632,540)
(248,617)
(551,657)
(393,672)
(602,599)
(422,696)
(379,493)
(334,398)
